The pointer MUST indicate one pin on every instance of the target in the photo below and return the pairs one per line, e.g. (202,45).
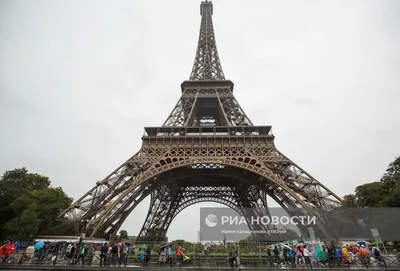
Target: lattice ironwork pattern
(222,105)
(106,206)
(206,64)
(206,150)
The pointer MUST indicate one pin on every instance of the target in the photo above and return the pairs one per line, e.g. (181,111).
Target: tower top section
(204,6)
(206,65)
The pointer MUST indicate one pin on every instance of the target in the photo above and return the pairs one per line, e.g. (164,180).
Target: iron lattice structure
(206,150)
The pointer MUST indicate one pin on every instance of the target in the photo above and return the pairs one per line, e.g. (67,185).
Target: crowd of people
(81,253)
(165,254)
(303,255)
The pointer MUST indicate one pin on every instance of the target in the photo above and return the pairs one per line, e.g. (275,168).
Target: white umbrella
(286,246)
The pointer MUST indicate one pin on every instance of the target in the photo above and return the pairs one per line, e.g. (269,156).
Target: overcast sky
(79,80)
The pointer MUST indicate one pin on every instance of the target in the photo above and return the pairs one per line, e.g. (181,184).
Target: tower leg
(157,217)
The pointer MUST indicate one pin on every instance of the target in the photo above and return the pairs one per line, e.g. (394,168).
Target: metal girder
(222,103)
(206,64)
(240,158)
(234,112)
(159,219)
(105,214)
(182,112)
(213,103)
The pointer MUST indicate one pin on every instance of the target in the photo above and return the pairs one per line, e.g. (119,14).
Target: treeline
(28,204)
(383,193)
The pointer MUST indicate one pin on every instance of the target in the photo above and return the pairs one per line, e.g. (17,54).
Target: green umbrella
(320,254)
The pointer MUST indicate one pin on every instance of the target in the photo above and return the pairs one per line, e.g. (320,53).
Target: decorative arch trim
(164,165)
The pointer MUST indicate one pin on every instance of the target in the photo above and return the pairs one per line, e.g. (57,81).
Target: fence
(215,256)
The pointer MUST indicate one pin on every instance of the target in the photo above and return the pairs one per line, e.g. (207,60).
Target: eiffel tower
(207,150)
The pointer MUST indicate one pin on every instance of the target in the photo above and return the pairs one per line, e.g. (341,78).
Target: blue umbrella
(38,245)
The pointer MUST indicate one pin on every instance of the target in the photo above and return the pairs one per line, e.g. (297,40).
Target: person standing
(292,257)
(365,255)
(163,256)
(339,255)
(148,254)
(103,254)
(299,256)
(169,255)
(345,255)
(307,256)
(123,256)
(68,251)
(376,254)
(73,252)
(114,255)
(55,252)
(313,257)
(269,256)
(276,254)
(232,258)
(142,257)
(83,253)
(179,255)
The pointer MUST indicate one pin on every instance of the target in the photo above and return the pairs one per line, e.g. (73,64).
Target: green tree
(371,194)
(123,235)
(24,226)
(385,193)
(13,184)
(350,201)
(179,241)
(392,173)
(28,205)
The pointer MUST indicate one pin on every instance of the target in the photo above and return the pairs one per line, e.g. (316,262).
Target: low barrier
(48,258)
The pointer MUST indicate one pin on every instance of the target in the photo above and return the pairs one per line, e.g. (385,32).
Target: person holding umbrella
(38,249)
(169,255)
(162,252)
(163,256)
